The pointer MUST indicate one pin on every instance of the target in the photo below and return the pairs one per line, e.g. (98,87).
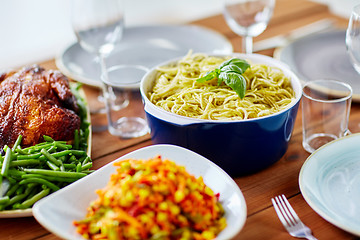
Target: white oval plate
(319,56)
(330,182)
(58,211)
(145,46)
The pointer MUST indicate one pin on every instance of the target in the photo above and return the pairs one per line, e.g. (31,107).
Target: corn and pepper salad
(153,199)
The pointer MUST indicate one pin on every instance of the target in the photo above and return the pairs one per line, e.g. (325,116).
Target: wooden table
(281,178)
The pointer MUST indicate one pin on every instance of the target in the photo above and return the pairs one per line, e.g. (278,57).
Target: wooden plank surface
(259,188)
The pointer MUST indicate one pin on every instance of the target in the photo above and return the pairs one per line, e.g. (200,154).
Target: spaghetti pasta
(176,90)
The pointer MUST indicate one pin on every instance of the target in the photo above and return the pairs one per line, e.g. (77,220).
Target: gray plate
(146,46)
(321,55)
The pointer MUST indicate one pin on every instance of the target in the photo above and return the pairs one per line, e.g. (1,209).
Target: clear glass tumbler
(325,112)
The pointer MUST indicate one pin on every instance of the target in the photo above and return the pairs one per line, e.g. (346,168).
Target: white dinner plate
(145,46)
(58,211)
(319,56)
(330,182)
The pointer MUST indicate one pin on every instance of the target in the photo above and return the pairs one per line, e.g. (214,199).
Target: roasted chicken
(36,102)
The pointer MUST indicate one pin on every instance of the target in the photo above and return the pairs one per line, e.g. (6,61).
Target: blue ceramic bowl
(239,147)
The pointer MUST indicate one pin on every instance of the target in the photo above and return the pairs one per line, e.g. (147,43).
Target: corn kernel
(144,193)
(208,235)
(161,217)
(171,176)
(129,196)
(179,196)
(208,191)
(164,206)
(155,229)
(125,165)
(175,210)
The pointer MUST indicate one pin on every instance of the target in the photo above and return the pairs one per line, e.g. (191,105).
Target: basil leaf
(230,72)
(231,68)
(242,64)
(209,76)
(236,81)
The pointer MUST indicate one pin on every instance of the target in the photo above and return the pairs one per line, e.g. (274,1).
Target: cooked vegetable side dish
(29,174)
(217,88)
(153,199)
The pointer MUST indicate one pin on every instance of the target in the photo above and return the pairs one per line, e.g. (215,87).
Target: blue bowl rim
(176,119)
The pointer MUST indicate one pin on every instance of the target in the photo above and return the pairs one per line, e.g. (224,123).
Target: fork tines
(290,218)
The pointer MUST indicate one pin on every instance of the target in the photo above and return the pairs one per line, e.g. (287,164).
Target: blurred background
(37,30)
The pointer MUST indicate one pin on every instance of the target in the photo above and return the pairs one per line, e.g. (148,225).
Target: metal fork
(290,219)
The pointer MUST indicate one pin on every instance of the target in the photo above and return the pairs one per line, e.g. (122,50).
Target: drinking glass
(353,38)
(325,112)
(124,79)
(98,26)
(248,18)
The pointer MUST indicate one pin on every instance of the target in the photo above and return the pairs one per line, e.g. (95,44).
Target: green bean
(41,147)
(18,197)
(52,149)
(4,200)
(73,159)
(69,166)
(55,173)
(50,178)
(15,173)
(48,139)
(78,167)
(28,156)
(57,154)
(86,160)
(62,146)
(50,157)
(29,202)
(24,162)
(20,190)
(78,152)
(17,142)
(21,151)
(41,181)
(11,180)
(86,166)
(12,189)
(52,166)
(6,163)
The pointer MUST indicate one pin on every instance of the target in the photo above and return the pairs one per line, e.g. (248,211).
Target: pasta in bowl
(241,117)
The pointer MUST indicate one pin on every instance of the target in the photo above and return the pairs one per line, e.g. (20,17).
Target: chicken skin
(36,102)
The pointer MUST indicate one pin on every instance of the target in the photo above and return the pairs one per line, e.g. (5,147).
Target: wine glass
(98,26)
(248,18)
(353,38)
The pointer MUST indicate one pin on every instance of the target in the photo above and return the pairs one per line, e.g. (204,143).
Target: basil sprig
(230,72)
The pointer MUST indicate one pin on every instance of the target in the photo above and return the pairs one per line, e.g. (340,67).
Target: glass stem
(247,44)
(107,90)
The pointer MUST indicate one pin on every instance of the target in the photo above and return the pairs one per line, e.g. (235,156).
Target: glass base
(316,140)
(129,127)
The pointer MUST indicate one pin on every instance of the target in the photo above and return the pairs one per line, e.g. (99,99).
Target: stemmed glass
(353,38)
(99,25)
(248,18)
